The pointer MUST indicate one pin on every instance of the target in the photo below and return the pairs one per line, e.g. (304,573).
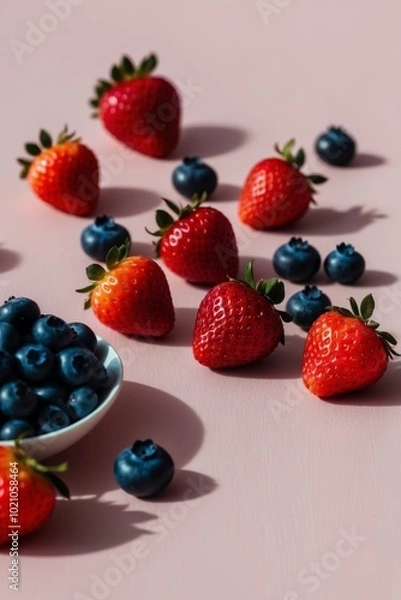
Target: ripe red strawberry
(27,492)
(140,110)
(132,296)
(276,192)
(65,175)
(237,323)
(344,350)
(199,245)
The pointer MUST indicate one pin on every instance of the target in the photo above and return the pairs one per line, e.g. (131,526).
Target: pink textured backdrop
(278,496)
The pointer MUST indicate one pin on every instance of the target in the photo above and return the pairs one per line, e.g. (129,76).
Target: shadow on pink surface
(226,191)
(209,140)
(330,221)
(125,202)
(364,160)
(9,259)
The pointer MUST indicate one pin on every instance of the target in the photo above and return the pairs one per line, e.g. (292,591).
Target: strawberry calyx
(20,455)
(297,160)
(96,272)
(45,142)
(125,70)
(363,313)
(165,220)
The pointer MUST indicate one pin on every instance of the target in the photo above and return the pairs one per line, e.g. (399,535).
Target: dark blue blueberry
(296,260)
(8,366)
(194,177)
(344,264)
(52,418)
(75,366)
(51,331)
(20,312)
(9,337)
(144,469)
(83,335)
(35,362)
(82,401)
(335,147)
(307,305)
(100,375)
(13,428)
(103,234)
(17,399)
(51,392)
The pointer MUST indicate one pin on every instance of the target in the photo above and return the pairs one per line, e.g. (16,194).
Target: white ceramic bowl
(43,446)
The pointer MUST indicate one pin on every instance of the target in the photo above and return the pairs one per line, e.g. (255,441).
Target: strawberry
(27,492)
(275,192)
(199,245)
(140,110)
(237,323)
(344,350)
(65,175)
(132,296)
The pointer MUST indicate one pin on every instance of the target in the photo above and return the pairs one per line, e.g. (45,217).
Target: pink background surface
(278,495)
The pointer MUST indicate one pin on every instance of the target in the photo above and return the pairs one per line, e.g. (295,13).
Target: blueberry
(9,337)
(13,428)
(296,260)
(51,331)
(307,305)
(83,335)
(194,177)
(335,147)
(100,375)
(52,418)
(8,366)
(75,366)
(103,234)
(17,399)
(144,469)
(51,392)
(35,362)
(82,401)
(20,312)
(344,264)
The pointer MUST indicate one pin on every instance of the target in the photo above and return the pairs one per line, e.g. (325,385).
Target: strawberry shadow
(225,192)
(140,412)
(330,221)
(8,259)
(209,140)
(142,249)
(125,202)
(262,267)
(183,328)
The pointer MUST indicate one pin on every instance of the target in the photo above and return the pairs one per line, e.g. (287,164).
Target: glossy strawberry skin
(36,497)
(143,114)
(134,299)
(201,247)
(275,194)
(341,354)
(235,325)
(66,176)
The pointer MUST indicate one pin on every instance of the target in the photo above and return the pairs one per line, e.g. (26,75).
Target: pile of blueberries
(50,375)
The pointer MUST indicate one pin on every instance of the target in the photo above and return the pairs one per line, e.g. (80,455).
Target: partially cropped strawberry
(276,192)
(131,296)
(345,351)
(27,493)
(198,244)
(237,322)
(65,174)
(139,109)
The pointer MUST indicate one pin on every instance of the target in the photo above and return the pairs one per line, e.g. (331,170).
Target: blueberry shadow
(140,412)
(209,140)
(8,260)
(375,278)
(185,486)
(364,160)
(385,392)
(330,221)
(81,526)
(226,191)
(124,202)
(284,363)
